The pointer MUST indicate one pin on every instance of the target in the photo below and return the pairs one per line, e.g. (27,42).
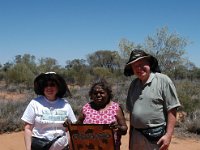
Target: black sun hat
(136,55)
(42,79)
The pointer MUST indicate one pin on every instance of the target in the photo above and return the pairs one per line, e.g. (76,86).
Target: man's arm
(171,121)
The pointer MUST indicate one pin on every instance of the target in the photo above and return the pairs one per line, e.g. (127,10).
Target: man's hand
(164,142)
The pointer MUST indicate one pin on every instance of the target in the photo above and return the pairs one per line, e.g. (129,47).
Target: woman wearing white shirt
(45,115)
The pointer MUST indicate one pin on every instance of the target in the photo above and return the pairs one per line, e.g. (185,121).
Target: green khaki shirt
(149,103)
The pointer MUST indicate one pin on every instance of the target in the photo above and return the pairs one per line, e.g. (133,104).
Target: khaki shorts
(139,142)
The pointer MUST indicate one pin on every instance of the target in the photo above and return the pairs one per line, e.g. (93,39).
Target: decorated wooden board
(91,137)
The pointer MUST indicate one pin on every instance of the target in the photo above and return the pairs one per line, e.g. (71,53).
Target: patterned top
(105,116)
(93,116)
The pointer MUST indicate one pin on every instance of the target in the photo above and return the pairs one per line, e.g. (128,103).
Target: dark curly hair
(42,80)
(104,85)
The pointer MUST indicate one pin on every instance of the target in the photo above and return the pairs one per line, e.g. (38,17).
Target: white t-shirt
(48,117)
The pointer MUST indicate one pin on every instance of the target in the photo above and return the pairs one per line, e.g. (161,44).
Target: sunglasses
(51,84)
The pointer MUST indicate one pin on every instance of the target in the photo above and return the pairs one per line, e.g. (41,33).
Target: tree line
(168,48)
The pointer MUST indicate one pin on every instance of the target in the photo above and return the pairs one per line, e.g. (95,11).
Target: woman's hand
(121,129)
(67,123)
(114,125)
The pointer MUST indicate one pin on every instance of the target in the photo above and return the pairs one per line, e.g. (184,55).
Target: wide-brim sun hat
(43,78)
(136,55)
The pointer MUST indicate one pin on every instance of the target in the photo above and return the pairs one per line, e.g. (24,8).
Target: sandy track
(15,141)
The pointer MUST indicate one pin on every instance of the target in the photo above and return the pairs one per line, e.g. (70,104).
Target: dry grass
(14,96)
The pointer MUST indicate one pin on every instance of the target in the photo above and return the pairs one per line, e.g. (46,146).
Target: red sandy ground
(15,141)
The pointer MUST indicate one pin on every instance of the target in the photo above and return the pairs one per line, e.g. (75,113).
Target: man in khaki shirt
(152,102)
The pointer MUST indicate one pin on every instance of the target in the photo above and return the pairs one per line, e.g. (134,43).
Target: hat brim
(40,81)
(137,60)
(128,71)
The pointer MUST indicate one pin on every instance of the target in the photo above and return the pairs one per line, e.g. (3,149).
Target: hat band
(137,60)
(50,72)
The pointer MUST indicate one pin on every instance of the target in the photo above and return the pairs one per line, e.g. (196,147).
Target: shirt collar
(151,76)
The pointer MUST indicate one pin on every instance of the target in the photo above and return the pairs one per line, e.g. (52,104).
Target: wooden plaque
(91,137)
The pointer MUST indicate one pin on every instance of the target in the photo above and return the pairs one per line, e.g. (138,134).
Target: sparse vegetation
(12,110)
(192,122)
(169,48)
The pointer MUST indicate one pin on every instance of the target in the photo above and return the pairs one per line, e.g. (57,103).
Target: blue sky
(70,29)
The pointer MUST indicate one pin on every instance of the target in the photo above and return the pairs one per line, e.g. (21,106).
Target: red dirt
(15,141)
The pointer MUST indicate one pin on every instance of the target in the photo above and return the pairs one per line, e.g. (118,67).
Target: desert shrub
(192,122)
(189,95)
(79,98)
(10,115)
(11,112)
(120,91)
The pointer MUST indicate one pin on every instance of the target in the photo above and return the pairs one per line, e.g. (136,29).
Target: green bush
(189,95)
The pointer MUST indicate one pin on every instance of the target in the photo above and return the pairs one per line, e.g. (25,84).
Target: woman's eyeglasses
(50,85)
